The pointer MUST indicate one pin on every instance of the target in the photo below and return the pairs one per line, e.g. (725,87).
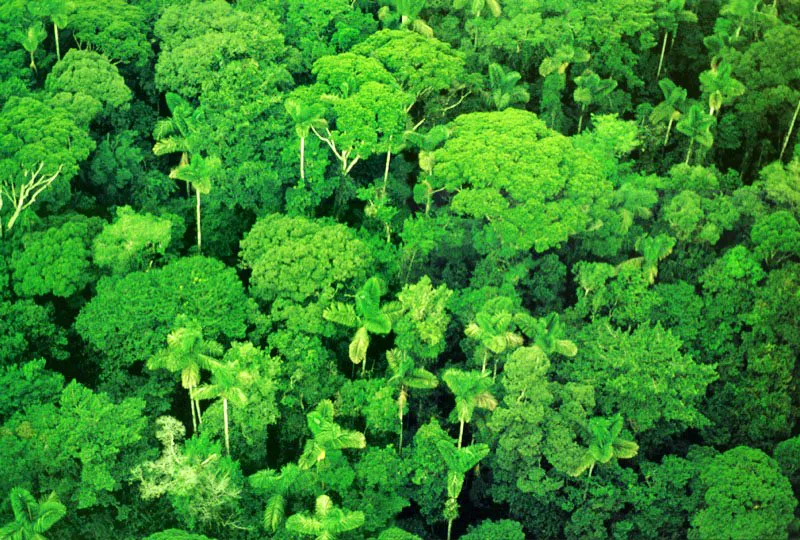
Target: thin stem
(661,58)
(791,128)
(199,235)
(460,433)
(302,158)
(194,417)
(58,47)
(225,416)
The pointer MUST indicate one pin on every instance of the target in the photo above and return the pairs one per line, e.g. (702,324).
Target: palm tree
(505,91)
(198,173)
(671,108)
(605,444)
(696,125)
(459,461)
(173,135)
(547,334)
(327,435)
(406,375)
(30,40)
(668,17)
(427,143)
(789,133)
(407,12)
(494,333)
(554,69)
(304,117)
(590,89)
(327,523)
(57,10)
(187,352)
(32,518)
(476,8)
(365,314)
(228,382)
(653,250)
(278,486)
(471,391)
(720,86)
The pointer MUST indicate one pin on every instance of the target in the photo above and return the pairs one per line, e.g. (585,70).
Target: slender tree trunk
(199,234)
(789,133)
(449,528)
(302,158)
(669,129)
(386,168)
(194,419)
(485,358)
(199,414)
(400,406)
(460,433)
(225,417)
(494,369)
(588,479)
(689,153)
(33,63)
(58,47)
(663,51)
(580,120)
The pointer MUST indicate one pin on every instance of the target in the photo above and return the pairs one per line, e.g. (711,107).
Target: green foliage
(746,486)
(504,529)
(32,517)
(132,241)
(327,522)
(27,332)
(56,261)
(60,448)
(27,384)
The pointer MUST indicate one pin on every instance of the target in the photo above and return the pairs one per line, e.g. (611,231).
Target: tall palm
(405,375)
(554,70)
(304,117)
(365,314)
(327,522)
(653,250)
(494,332)
(720,86)
(30,40)
(174,135)
(696,125)
(476,9)
(406,13)
(199,173)
(471,391)
(605,444)
(503,85)
(590,89)
(671,108)
(58,11)
(668,16)
(327,435)
(229,382)
(547,334)
(187,352)
(278,486)
(459,461)
(32,518)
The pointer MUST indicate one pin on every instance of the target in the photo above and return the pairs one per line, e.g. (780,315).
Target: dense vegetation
(397,269)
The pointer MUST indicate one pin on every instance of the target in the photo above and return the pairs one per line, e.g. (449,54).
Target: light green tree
(696,125)
(199,172)
(327,436)
(459,462)
(30,40)
(365,315)
(504,89)
(471,391)
(590,89)
(327,522)
(405,375)
(229,382)
(304,118)
(671,108)
(187,352)
(605,444)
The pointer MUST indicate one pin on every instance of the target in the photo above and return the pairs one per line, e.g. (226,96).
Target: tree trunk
(663,51)
(580,121)
(199,414)
(789,133)
(58,47)
(400,445)
(485,358)
(669,129)
(199,234)
(460,433)
(386,168)
(225,417)
(689,153)
(194,419)
(449,528)
(302,158)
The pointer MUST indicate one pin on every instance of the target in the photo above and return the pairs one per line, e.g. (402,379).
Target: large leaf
(340,313)
(378,323)
(358,347)
(274,512)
